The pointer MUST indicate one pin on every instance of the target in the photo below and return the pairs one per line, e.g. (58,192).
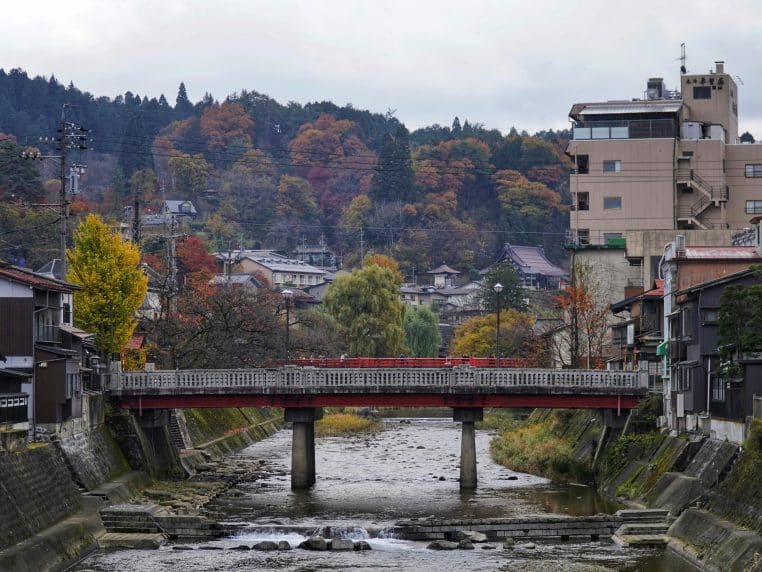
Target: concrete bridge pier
(468,416)
(303,445)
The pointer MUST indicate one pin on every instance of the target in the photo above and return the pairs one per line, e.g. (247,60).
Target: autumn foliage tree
(477,336)
(112,283)
(216,327)
(224,124)
(582,341)
(194,261)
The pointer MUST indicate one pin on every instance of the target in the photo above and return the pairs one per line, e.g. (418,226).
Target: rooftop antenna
(738,79)
(682,59)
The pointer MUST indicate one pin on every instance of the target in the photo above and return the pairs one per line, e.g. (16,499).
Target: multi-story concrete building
(646,168)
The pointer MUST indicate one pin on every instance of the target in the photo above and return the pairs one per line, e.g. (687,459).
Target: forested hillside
(263,174)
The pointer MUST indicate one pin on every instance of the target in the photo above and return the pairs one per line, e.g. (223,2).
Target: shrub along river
(365,483)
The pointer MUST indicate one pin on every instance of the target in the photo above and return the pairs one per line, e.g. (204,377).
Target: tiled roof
(443,269)
(135,342)
(24,276)
(285,265)
(532,260)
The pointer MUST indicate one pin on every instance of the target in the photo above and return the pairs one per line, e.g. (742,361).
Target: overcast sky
(501,63)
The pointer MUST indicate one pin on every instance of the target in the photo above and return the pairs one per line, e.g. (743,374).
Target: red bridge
(303,390)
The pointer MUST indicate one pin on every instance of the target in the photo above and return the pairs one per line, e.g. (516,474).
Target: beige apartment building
(648,169)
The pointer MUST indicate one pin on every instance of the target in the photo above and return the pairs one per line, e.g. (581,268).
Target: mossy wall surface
(207,425)
(94,457)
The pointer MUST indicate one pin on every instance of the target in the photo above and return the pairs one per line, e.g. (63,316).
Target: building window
(73,385)
(583,164)
(612,202)
(612,166)
(753,207)
(754,170)
(683,378)
(583,201)
(702,92)
(710,315)
(718,389)
(687,321)
(67,313)
(583,236)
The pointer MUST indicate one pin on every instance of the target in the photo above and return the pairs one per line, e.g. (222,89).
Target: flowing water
(365,484)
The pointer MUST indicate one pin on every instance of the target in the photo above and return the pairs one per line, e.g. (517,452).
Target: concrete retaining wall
(713,544)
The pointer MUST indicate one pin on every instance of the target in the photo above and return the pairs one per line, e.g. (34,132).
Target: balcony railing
(626,129)
(577,239)
(14,408)
(47,333)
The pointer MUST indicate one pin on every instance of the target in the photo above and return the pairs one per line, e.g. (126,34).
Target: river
(365,484)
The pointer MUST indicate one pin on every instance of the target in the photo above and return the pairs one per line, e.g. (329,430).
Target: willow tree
(422,332)
(113,286)
(367,307)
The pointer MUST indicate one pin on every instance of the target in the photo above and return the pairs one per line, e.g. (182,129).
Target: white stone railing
(310,380)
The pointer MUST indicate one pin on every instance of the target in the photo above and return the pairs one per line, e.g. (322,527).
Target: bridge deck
(462,386)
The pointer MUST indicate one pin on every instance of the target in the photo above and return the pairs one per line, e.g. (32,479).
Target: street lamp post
(288,296)
(497,288)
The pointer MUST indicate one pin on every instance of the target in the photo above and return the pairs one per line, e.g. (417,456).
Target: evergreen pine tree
(135,148)
(183,106)
(456,127)
(393,181)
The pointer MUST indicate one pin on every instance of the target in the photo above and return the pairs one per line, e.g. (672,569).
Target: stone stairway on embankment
(144,525)
(642,527)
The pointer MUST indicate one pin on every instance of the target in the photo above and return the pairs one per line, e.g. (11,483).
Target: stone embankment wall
(36,491)
(711,489)
(41,487)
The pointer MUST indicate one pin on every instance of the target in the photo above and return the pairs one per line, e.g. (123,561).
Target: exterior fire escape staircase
(691,215)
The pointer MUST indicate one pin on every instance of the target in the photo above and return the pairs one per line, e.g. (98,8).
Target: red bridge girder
(566,401)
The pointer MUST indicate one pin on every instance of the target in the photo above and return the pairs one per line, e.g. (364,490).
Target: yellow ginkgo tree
(107,268)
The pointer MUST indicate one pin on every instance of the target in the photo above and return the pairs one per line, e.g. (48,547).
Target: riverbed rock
(509,543)
(488,547)
(475,536)
(265,545)
(182,547)
(240,547)
(528,546)
(442,545)
(314,543)
(155,494)
(342,544)
(465,544)
(284,545)
(362,545)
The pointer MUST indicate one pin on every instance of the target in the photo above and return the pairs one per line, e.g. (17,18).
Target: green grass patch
(535,448)
(346,423)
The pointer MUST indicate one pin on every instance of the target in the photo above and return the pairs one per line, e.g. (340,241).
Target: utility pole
(172,256)
(136,220)
(73,137)
(62,199)
(362,248)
